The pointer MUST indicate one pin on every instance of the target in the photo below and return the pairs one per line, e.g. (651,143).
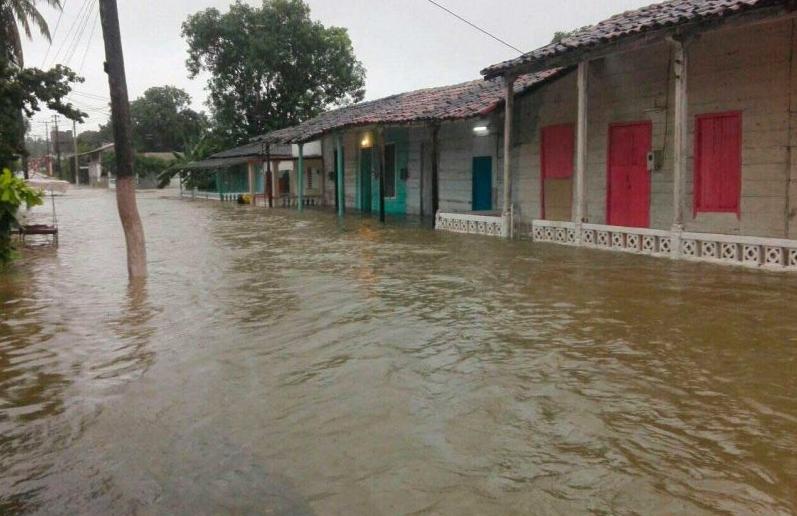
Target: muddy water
(285,364)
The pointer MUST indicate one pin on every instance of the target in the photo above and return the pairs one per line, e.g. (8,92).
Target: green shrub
(14,192)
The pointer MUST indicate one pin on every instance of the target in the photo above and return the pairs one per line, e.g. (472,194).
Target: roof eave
(635,41)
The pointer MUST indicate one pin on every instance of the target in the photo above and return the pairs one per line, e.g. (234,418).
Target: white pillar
(579,204)
(680,131)
(509,104)
(250,166)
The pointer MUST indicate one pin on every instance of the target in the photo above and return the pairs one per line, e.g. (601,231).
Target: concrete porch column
(300,178)
(509,104)
(582,127)
(680,141)
(339,175)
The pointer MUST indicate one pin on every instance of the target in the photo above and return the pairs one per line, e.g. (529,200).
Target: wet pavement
(280,363)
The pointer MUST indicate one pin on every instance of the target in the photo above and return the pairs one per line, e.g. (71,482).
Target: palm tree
(21,13)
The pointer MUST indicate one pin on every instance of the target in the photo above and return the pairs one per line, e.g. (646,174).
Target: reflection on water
(292,365)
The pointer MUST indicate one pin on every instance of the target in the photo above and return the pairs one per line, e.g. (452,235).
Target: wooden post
(120,115)
(435,172)
(300,178)
(579,205)
(380,164)
(680,131)
(339,176)
(250,169)
(268,184)
(509,104)
(74,148)
(275,170)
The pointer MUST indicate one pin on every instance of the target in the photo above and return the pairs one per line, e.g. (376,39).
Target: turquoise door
(482,184)
(365,181)
(395,161)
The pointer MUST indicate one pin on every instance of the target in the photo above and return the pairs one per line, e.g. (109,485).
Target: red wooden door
(718,162)
(557,143)
(628,197)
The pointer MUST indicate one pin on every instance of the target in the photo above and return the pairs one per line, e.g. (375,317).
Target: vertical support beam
(74,148)
(680,131)
(339,176)
(250,168)
(275,172)
(580,204)
(509,105)
(268,184)
(680,142)
(380,163)
(300,178)
(435,170)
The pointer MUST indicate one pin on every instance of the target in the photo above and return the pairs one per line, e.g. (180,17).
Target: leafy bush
(14,192)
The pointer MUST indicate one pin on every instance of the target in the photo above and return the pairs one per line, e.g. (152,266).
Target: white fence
(768,253)
(470,223)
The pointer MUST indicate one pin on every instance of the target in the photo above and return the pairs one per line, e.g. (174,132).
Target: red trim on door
(636,176)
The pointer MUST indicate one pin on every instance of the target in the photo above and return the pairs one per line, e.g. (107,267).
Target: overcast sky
(404,44)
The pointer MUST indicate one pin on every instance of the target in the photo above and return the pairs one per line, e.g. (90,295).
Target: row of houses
(668,131)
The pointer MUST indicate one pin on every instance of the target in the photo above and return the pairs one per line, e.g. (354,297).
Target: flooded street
(284,364)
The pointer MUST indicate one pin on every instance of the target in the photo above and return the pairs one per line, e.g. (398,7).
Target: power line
(88,45)
(460,18)
(70,53)
(55,32)
(69,36)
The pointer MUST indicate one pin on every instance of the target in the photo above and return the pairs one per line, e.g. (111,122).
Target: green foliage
(200,150)
(163,120)
(14,192)
(145,167)
(25,90)
(16,13)
(561,35)
(271,66)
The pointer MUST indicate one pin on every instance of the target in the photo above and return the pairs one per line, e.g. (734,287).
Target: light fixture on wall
(366,142)
(481,130)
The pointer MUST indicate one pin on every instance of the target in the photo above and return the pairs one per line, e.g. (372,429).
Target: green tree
(14,193)
(163,120)
(271,66)
(16,13)
(26,90)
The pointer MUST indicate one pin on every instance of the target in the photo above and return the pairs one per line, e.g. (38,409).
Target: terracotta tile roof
(657,16)
(252,150)
(460,101)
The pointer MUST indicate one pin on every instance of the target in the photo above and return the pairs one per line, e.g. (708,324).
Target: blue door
(482,184)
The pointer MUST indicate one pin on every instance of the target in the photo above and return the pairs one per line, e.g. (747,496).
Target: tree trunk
(120,115)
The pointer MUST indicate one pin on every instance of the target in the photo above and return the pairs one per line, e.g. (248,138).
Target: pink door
(628,196)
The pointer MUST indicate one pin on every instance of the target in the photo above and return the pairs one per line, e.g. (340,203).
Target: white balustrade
(755,252)
(469,223)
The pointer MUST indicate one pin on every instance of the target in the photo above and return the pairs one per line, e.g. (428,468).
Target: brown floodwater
(288,364)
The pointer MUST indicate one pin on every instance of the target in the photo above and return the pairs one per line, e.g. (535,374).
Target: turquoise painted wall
(396,205)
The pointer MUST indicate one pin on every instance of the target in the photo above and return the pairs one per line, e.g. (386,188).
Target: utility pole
(122,135)
(48,161)
(74,145)
(57,148)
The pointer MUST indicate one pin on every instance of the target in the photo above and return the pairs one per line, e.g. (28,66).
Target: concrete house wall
(747,69)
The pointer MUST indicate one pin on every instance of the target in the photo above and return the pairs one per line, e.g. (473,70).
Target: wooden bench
(39,229)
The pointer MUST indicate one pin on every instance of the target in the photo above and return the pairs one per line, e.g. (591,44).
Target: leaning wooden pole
(120,116)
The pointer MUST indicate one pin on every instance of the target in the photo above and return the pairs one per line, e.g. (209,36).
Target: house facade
(671,135)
